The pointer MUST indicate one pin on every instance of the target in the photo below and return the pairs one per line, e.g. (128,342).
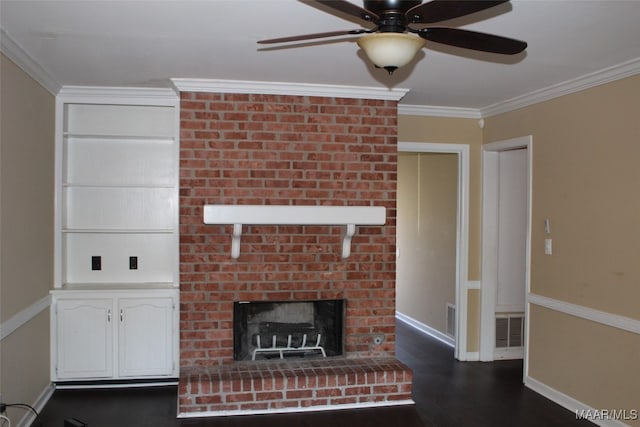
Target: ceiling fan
(388,44)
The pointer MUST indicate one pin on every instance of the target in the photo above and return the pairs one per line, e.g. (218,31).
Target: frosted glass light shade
(390,50)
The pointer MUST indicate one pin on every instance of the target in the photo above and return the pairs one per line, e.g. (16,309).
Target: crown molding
(434,111)
(597,78)
(295,89)
(22,59)
(127,95)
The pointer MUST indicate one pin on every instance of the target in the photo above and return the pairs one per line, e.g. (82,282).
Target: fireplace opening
(285,329)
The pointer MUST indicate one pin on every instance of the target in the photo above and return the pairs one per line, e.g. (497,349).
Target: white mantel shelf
(349,216)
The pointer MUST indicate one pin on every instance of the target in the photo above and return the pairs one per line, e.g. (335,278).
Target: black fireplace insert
(284,329)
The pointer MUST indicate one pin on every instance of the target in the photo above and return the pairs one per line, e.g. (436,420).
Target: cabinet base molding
(69,385)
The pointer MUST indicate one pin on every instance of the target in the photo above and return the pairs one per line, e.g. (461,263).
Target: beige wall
(586,180)
(427,206)
(592,363)
(26,222)
(445,130)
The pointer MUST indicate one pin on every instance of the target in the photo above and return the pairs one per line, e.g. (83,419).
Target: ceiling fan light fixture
(390,50)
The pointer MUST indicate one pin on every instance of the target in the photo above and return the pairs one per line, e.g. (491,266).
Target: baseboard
(297,409)
(77,385)
(471,356)
(29,417)
(571,404)
(508,353)
(426,329)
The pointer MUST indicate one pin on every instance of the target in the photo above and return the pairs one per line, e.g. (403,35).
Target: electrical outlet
(133,263)
(96,263)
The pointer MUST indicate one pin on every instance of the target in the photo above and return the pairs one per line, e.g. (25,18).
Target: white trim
(22,59)
(473,356)
(565,401)
(434,111)
(508,353)
(296,409)
(614,320)
(426,329)
(63,386)
(281,88)
(120,95)
(294,215)
(462,231)
(473,284)
(29,417)
(597,78)
(489,248)
(23,316)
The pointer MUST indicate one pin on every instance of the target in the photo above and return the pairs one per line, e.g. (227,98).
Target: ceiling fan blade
(350,9)
(442,10)
(473,40)
(313,36)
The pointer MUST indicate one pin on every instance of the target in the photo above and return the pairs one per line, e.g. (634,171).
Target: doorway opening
(506,231)
(449,226)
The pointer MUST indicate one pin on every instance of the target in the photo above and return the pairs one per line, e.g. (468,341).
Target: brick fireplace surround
(287,150)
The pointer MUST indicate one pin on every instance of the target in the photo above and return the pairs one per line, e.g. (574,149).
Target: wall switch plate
(96,263)
(548,246)
(133,263)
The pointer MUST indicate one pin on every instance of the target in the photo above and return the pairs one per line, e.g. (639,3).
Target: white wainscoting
(613,320)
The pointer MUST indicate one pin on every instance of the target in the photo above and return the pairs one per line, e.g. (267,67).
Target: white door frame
(462,234)
(490,153)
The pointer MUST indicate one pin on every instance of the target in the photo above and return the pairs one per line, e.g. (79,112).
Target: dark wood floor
(446,392)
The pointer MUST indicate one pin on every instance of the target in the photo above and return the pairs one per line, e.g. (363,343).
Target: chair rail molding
(23,316)
(609,319)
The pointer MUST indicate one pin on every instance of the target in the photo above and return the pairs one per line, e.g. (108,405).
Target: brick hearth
(285,150)
(274,386)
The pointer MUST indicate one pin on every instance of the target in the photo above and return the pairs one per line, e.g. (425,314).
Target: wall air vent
(509,330)
(451,320)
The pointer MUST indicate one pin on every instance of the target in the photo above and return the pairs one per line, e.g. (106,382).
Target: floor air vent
(509,330)
(451,320)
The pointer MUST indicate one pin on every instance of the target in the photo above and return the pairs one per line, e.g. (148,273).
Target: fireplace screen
(283,329)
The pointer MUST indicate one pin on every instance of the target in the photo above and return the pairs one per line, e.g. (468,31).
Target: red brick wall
(291,150)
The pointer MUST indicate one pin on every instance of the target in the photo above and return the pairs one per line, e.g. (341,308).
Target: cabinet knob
(121,314)
(109,315)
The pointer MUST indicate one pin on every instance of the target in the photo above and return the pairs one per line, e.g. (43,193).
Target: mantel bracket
(350,231)
(235,241)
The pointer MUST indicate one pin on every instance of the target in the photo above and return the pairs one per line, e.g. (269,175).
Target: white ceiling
(147,42)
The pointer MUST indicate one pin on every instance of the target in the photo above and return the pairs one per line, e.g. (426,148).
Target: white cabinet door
(84,334)
(145,337)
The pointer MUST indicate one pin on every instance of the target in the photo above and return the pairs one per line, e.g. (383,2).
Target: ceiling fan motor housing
(379,6)
(392,13)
